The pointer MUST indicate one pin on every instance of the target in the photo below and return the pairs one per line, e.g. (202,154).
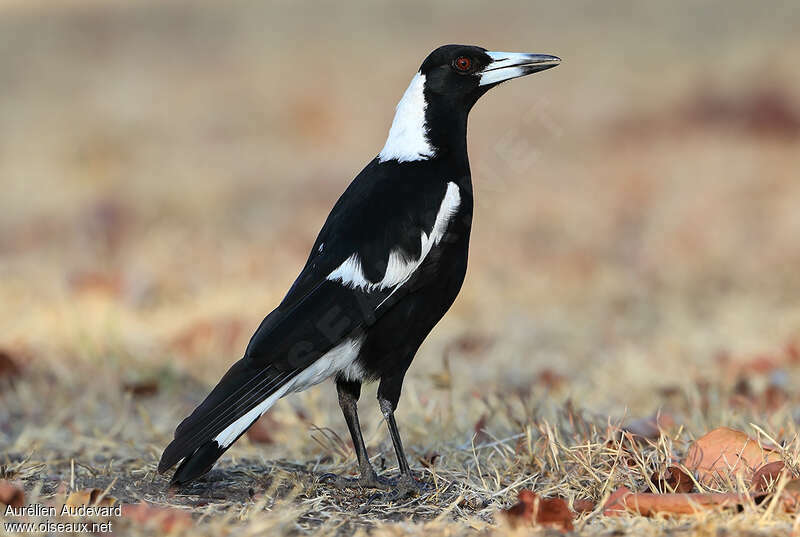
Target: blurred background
(165,167)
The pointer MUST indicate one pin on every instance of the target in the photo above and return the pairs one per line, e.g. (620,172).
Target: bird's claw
(402,487)
(365,482)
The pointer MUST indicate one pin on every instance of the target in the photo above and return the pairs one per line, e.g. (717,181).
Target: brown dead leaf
(766,475)
(583,506)
(615,503)
(673,479)
(11,494)
(531,509)
(726,452)
(649,504)
(90,497)
(164,518)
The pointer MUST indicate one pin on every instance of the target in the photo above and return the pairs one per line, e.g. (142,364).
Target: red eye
(463,63)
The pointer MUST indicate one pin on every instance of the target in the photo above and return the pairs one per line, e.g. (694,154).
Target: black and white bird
(386,266)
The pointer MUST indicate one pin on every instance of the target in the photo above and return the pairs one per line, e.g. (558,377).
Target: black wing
(379,213)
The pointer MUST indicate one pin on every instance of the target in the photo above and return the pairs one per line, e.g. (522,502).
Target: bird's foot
(402,487)
(364,481)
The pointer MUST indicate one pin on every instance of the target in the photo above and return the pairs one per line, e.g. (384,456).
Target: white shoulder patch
(350,273)
(408,135)
(400,268)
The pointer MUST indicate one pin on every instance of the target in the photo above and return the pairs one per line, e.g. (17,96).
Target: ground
(165,168)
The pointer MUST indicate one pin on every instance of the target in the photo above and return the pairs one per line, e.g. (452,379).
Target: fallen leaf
(166,519)
(673,479)
(726,452)
(11,494)
(89,497)
(531,509)
(616,502)
(649,504)
(583,506)
(554,512)
(766,475)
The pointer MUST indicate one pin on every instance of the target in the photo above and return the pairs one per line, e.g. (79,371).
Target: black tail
(245,386)
(198,463)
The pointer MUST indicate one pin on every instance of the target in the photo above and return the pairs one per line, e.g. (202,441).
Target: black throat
(446,122)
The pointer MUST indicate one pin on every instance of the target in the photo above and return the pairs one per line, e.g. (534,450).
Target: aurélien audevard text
(37,509)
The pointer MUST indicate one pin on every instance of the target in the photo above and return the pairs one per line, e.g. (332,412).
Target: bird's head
(463,73)
(434,108)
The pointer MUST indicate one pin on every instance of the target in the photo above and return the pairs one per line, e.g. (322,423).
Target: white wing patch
(408,135)
(400,268)
(341,358)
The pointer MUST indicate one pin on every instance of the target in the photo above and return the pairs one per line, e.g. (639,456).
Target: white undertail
(340,359)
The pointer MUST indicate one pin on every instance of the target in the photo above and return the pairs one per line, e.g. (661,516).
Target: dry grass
(164,170)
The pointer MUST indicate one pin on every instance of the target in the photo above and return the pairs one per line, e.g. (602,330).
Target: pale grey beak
(508,65)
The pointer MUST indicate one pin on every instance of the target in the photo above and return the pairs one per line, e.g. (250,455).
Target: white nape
(408,135)
(400,268)
(340,359)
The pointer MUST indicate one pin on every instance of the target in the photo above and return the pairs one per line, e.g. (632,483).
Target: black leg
(388,413)
(388,396)
(349,392)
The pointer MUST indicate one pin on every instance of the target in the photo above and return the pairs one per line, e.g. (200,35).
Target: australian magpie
(386,266)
